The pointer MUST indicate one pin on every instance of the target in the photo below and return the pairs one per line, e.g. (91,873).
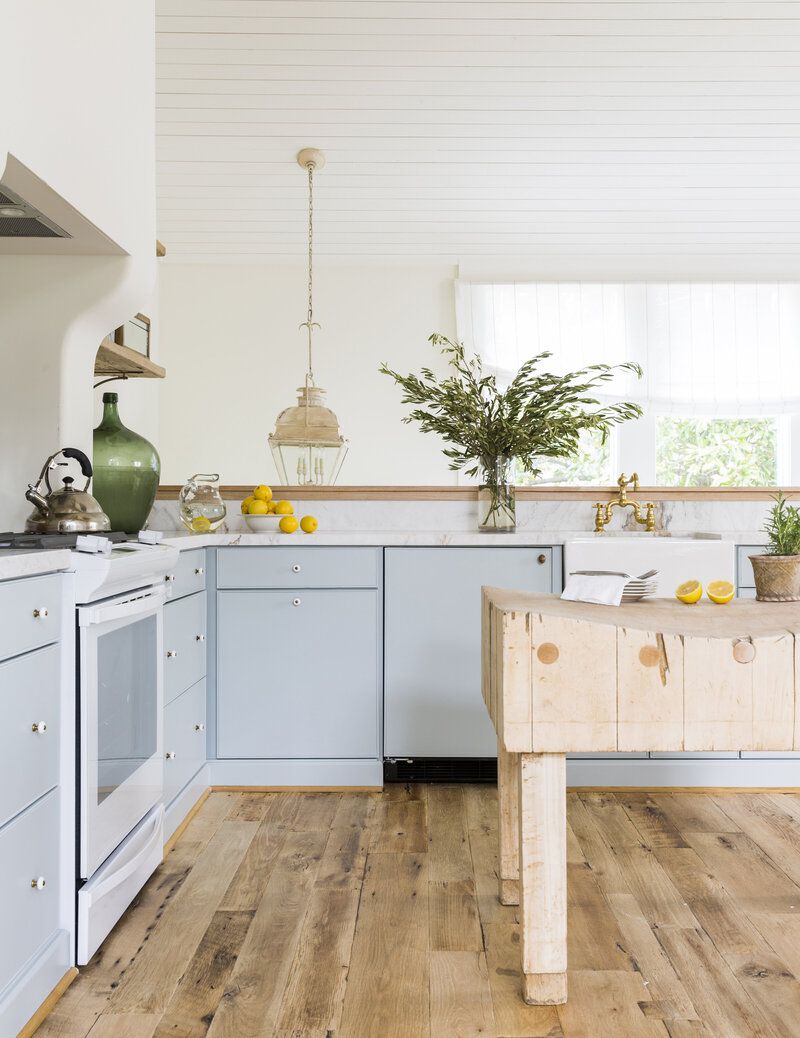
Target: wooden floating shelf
(464,493)
(113,359)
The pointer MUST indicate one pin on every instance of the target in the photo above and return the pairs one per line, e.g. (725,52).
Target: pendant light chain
(310,324)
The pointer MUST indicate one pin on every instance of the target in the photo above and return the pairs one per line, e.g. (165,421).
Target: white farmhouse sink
(676,558)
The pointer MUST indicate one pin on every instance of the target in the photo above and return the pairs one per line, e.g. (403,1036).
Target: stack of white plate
(637,588)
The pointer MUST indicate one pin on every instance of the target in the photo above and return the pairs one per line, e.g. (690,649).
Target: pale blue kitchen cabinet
(432,693)
(298,672)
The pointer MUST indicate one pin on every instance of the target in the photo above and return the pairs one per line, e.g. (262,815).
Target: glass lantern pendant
(307,446)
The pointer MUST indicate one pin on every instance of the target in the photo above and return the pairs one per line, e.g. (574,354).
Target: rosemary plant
(538,415)
(783,527)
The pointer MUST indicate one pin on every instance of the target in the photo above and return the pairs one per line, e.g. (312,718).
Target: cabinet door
(297,674)
(184,644)
(432,701)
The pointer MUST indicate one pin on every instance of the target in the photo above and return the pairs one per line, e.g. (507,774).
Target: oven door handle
(149,602)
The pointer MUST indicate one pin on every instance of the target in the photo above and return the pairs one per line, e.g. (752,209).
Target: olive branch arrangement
(538,415)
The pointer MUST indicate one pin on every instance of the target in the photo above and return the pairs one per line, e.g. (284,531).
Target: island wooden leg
(543,876)
(508,825)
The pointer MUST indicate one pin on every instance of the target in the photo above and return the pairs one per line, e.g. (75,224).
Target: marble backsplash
(741,520)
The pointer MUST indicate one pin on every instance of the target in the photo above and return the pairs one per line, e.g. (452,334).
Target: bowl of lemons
(263,514)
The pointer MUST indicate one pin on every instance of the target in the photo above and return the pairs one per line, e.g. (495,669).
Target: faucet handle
(635,480)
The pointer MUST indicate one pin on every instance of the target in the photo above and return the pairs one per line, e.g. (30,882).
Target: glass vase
(126,470)
(496,497)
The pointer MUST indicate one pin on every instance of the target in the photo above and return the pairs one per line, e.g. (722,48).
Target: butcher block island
(561,677)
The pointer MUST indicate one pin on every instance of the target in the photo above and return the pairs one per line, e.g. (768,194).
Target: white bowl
(263,523)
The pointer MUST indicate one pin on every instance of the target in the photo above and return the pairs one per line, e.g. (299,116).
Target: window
(721,385)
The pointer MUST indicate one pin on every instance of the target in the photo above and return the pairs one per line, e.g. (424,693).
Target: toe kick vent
(441,769)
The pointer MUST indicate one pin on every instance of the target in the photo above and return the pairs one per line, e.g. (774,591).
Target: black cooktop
(44,541)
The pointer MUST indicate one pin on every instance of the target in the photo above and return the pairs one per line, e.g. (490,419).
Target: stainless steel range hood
(19,219)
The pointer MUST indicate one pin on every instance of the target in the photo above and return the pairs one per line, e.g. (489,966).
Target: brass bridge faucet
(603,512)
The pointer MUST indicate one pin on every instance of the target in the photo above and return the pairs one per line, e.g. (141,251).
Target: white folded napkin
(602,590)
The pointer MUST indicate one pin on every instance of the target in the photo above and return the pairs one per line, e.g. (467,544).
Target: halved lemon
(720,591)
(689,592)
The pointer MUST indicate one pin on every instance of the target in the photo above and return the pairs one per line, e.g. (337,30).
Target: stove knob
(40,614)
(39,726)
(39,883)
(171,654)
(170,755)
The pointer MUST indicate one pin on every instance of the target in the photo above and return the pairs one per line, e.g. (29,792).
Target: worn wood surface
(563,676)
(295,916)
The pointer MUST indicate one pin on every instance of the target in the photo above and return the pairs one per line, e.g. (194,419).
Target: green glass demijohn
(126,471)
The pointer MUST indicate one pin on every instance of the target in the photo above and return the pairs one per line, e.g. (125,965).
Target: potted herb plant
(778,572)
(490,429)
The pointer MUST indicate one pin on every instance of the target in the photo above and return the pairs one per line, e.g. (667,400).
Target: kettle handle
(82,460)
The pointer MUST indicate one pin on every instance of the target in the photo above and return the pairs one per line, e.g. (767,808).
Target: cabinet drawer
(184,739)
(189,574)
(744,568)
(314,690)
(184,644)
(29,695)
(28,852)
(31,614)
(297,567)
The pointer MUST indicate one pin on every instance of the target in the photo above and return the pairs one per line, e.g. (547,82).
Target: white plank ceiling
(463,130)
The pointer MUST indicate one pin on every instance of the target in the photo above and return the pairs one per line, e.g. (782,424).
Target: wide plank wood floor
(358,915)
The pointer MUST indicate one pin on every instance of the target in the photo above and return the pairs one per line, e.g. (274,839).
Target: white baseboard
(183,803)
(302,773)
(753,773)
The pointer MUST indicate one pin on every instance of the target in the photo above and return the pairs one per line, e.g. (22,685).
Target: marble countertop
(28,562)
(400,538)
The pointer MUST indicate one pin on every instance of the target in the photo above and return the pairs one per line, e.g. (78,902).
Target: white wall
(234,356)
(78,84)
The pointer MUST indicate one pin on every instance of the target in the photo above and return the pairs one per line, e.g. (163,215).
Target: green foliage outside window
(722,452)
(589,466)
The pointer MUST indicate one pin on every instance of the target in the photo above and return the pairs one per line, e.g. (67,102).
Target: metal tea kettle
(66,510)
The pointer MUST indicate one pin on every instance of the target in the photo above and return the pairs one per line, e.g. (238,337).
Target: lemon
(246,504)
(272,506)
(262,493)
(200,524)
(308,524)
(720,591)
(288,524)
(689,592)
(258,507)
(284,508)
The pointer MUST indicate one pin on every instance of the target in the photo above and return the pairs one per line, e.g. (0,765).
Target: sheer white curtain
(706,348)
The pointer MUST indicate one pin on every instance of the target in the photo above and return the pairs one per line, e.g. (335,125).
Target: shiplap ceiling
(458,129)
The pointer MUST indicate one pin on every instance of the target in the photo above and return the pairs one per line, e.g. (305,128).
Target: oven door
(121,694)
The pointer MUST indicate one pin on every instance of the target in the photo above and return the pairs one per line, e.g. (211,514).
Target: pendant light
(307,446)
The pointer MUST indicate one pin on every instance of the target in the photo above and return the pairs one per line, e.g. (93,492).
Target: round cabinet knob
(200,637)
(170,755)
(170,577)
(199,727)
(38,883)
(40,614)
(295,601)
(541,559)
(199,571)
(39,726)
(295,568)
(171,654)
